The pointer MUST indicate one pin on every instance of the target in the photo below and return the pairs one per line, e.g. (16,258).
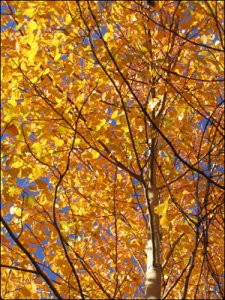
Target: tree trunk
(153,271)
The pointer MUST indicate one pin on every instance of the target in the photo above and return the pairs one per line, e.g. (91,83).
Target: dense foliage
(106,104)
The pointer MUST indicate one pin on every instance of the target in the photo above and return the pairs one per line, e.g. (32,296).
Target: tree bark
(153,271)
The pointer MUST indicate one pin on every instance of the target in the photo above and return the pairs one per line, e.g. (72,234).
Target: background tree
(112,127)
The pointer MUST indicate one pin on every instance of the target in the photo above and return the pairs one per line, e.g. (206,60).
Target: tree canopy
(112,149)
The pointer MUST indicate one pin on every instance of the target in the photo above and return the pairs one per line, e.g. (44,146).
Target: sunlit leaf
(161,209)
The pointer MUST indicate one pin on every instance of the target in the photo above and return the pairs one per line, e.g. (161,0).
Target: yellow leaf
(15,210)
(62,130)
(19,26)
(164,222)
(17,164)
(32,25)
(23,66)
(32,53)
(29,201)
(68,19)
(57,57)
(108,36)
(46,71)
(161,209)
(114,114)
(37,147)
(64,225)
(94,154)
(59,142)
(17,47)
(102,123)
(30,12)
(37,172)
(80,99)
(204,39)
(18,212)
(37,66)
(119,177)
(77,142)
(13,102)
(125,129)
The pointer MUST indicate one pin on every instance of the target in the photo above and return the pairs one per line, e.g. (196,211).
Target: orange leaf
(12,130)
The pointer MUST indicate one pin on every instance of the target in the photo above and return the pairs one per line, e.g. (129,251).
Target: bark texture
(153,271)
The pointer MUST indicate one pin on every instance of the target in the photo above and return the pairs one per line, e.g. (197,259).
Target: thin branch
(33,261)
(19,269)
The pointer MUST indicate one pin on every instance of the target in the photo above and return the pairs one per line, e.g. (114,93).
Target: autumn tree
(112,154)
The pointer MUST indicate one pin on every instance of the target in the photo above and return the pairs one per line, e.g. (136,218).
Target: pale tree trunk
(153,271)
